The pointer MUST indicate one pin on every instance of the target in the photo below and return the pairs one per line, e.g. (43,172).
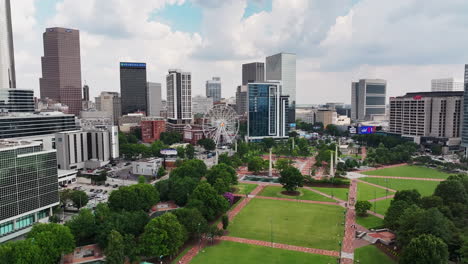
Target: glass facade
(16,101)
(34,125)
(133,89)
(464,142)
(28,182)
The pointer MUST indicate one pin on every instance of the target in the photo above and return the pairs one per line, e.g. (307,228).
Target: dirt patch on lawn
(291,193)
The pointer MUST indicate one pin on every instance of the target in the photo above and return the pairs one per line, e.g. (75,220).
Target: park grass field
(293,223)
(275,191)
(381,206)
(369,221)
(245,188)
(412,171)
(340,193)
(228,252)
(371,254)
(425,188)
(369,192)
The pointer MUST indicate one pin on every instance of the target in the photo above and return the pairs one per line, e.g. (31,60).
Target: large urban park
(269,226)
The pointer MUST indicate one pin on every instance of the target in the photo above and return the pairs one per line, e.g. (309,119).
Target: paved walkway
(281,246)
(406,178)
(324,194)
(297,200)
(375,214)
(347,249)
(192,253)
(375,185)
(382,198)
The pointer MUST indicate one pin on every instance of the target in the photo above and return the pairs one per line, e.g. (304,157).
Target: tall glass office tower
(213,89)
(133,90)
(282,67)
(28,186)
(464,142)
(268,110)
(7,57)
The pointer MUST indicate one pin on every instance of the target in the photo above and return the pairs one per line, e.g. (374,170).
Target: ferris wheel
(221,124)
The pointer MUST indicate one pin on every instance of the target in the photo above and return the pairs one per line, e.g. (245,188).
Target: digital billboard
(366,130)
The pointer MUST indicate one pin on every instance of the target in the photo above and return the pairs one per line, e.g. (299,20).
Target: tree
(181,152)
(99,178)
(115,250)
(268,143)
(208,201)
(282,164)
(207,144)
(190,151)
(291,178)
(192,220)
(65,196)
(431,201)
(362,207)
(54,240)
(163,236)
(164,189)
(79,199)
(332,130)
(451,191)
(409,196)
(225,221)
(21,252)
(425,249)
(256,165)
(141,179)
(396,209)
(436,149)
(221,177)
(161,172)
(181,188)
(83,227)
(170,138)
(134,197)
(192,168)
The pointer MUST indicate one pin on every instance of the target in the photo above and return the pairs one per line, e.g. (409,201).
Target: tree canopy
(134,197)
(291,178)
(206,199)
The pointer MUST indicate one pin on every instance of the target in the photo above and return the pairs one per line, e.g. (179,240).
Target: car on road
(115,186)
(92,190)
(107,185)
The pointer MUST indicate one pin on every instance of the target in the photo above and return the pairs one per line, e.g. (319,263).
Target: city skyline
(341,49)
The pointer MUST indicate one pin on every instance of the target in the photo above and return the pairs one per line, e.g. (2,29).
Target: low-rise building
(146,167)
(326,117)
(151,128)
(193,133)
(127,122)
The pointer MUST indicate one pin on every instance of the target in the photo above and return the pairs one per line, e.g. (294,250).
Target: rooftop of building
(7,143)
(153,118)
(433,94)
(34,115)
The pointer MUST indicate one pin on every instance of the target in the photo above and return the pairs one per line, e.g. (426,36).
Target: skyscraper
(464,142)
(7,57)
(268,110)
(446,85)
(282,67)
(213,89)
(85,92)
(154,99)
(241,99)
(253,72)
(110,102)
(61,68)
(133,87)
(179,99)
(368,99)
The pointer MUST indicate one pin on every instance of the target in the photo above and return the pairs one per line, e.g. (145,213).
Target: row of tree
(432,229)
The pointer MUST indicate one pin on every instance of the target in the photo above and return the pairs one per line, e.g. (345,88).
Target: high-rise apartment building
(29,186)
(110,102)
(253,72)
(213,89)
(368,99)
(133,90)
(268,110)
(241,100)
(154,99)
(61,68)
(7,56)
(179,99)
(428,117)
(85,92)
(16,101)
(464,142)
(446,85)
(201,104)
(282,67)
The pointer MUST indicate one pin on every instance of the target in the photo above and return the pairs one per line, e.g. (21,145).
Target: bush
(225,221)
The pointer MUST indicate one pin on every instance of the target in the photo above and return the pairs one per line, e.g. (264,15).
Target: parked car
(115,186)
(107,185)
(92,190)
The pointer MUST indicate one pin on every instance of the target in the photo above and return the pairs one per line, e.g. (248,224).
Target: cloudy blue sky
(406,42)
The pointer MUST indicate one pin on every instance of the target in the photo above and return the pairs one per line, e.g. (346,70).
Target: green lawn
(275,191)
(369,221)
(409,171)
(232,253)
(369,192)
(176,260)
(245,188)
(292,223)
(340,193)
(426,188)
(381,206)
(371,254)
